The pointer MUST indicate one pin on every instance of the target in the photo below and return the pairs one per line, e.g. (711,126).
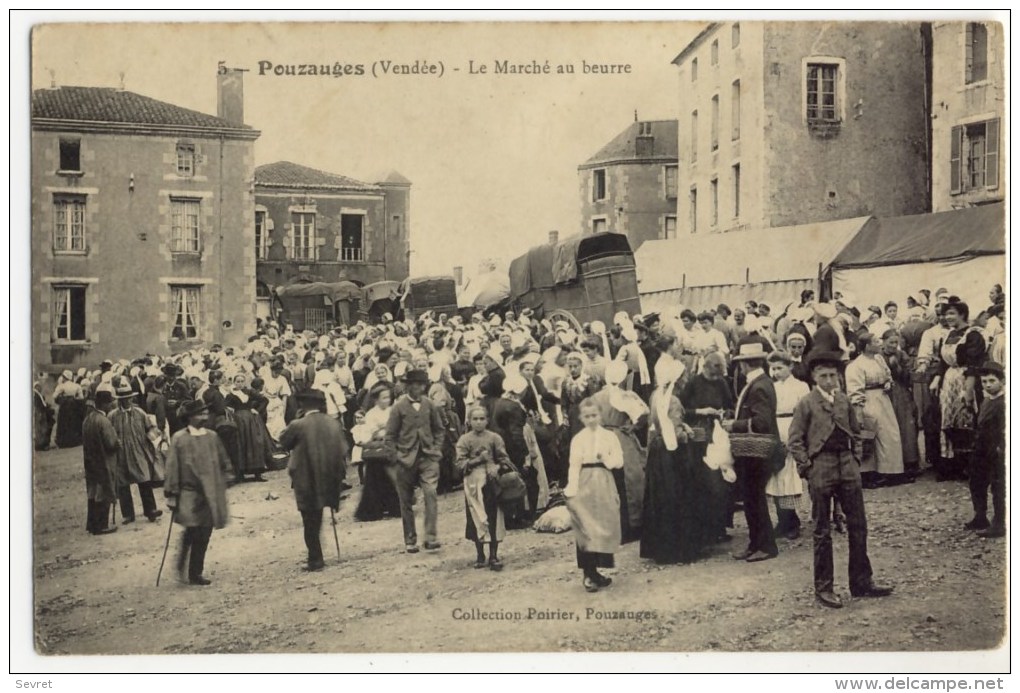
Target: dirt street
(97,595)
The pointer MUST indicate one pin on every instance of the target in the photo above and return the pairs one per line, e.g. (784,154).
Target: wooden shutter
(956,160)
(992,154)
(968,53)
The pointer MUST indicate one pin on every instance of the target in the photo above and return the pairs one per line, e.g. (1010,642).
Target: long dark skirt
(254,449)
(715,505)
(672,526)
(906,417)
(70,418)
(378,495)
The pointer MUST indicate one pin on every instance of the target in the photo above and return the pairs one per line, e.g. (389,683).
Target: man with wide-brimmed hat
(195,488)
(99,449)
(415,430)
(756,413)
(138,461)
(317,466)
(824,440)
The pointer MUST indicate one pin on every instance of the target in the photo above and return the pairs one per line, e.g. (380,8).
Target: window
(186,160)
(694,70)
(598,185)
(736,190)
(715,122)
(735,110)
(184,230)
(397,226)
(645,129)
(69,223)
(352,232)
(715,52)
(715,201)
(185,311)
(976,52)
(599,226)
(303,245)
(70,154)
(694,136)
(694,209)
(68,313)
(735,36)
(821,92)
(669,227)
(671,173)
(974,156)
(261,236)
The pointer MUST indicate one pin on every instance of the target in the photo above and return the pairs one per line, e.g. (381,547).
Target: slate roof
(623,147)
(115,106)
(286,174)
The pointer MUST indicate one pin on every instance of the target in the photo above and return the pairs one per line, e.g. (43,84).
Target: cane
(336,539)
(173,514)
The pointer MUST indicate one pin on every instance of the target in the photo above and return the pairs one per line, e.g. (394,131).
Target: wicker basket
(758,445)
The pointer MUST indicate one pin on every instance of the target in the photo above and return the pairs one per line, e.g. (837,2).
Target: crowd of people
(656,428)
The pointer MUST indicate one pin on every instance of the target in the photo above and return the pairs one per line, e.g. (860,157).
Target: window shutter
(956,160)
(968,52)
(992,154)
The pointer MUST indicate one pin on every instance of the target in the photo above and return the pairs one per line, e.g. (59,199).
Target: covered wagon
(319,306)
(590,277)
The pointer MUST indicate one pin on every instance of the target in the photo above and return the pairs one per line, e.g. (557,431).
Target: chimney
(458,275)
(554,237)
(230,93)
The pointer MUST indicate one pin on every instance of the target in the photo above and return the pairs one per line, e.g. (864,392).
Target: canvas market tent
(766,265)
(962,250)
(484,290)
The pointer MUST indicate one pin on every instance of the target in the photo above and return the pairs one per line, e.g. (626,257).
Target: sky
(492,157)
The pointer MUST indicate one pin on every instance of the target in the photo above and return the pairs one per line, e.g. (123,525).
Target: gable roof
(623,147)
(286,174)
(106,108)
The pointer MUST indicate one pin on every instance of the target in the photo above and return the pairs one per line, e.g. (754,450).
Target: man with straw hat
(756,413)
(137,459)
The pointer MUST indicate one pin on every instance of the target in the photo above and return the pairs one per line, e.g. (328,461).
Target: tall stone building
(968,108)
(141,218)
(311,225)
(630,185)
(789,123)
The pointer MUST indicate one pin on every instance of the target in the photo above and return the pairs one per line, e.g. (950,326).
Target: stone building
(311,225)
(141,215)
(789,123)
(968,107)
(630,185)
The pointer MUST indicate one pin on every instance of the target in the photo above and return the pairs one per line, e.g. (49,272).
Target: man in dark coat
(988,464)
(221,422)
(137,459)
(824,440)
(195,488)
(415,431)
(317,467)
(756,413)
(99,448)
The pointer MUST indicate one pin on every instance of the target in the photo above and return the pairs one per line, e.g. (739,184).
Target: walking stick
(336,539)
(173,514)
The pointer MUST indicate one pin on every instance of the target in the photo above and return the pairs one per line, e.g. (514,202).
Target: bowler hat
(312,396)
(416,376)
(825,358)
(191,408)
